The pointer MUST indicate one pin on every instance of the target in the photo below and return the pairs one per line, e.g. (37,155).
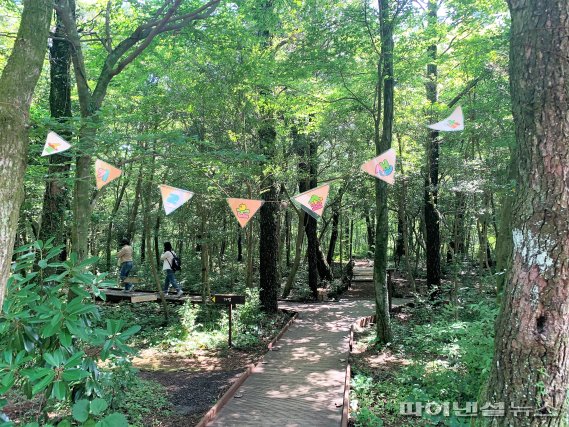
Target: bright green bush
(51,347)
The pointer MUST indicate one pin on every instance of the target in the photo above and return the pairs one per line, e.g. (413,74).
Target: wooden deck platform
(118,294)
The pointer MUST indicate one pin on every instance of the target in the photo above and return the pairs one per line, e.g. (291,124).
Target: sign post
(228,299)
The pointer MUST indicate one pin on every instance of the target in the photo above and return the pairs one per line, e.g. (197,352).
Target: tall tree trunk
(143,245)
(530,366)
(351,236)
(432,226)
(269,236)
(324,270)
(333,234)
(131,226)
(386,78)
(287,236)
(157,238)
(56,197)
(204,255)
(116,206)
(297,254)
(17,83)
(239,244)
(458,230)
(370,234)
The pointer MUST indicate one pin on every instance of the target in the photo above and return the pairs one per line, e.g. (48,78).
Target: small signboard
(228,299)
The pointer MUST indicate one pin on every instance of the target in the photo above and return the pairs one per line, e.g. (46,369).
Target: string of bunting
(312,201)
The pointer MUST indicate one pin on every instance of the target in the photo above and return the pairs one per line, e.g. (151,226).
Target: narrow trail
(302,383)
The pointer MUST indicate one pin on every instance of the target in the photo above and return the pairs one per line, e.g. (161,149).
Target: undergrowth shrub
(448,359)
(52,349)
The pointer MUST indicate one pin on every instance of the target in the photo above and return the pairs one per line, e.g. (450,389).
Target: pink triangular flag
(54,144)
(105,173)
(244,209)
(173,198)
(313,201)
(452,123)
(382,166)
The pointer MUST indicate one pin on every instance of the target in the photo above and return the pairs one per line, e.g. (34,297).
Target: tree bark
(333,235)
(370,235)
(56,196)
(269,235)
(239,245)
(287,236)
(17,84)
(432,226)
(530,366)
(297,254)
(383,324)
(134,212)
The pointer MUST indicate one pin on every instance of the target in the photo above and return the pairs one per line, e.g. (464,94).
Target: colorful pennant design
(54,144)
(382,166)
(105,173)
(244,209)
(452,123)
(173,198)
(314,201)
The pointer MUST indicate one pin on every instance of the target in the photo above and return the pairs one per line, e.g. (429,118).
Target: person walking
(167,266)
(125,260)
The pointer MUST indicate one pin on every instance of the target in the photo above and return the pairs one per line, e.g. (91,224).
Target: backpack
(176,264)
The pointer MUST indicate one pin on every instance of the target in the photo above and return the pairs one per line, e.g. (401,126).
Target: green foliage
(47,325)
(448,361)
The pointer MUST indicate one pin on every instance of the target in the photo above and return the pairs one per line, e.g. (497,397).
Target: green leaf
(129,332)
(87,262)
(43,383)
(74,360)
(81,410)
(114,326)
(59,390)
(98,406)
(42,263)
(65,339)
(75,374)
(64,423)
(113,420)
(50,359)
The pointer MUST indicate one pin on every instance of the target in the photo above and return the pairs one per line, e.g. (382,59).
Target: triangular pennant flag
(382,166)
(244,209)
(173,198)
(313,201)
(105,173)
(454,122)
(54,144)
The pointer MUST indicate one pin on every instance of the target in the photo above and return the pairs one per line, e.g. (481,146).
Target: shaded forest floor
(187,359)
(439,353)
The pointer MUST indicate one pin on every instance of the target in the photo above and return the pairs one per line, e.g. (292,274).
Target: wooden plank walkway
(118,294)
(302,384)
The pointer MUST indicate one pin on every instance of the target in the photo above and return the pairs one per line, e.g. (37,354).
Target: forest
(202,202)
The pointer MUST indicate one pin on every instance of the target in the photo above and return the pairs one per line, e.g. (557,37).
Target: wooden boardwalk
(118,294)
(302,384)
